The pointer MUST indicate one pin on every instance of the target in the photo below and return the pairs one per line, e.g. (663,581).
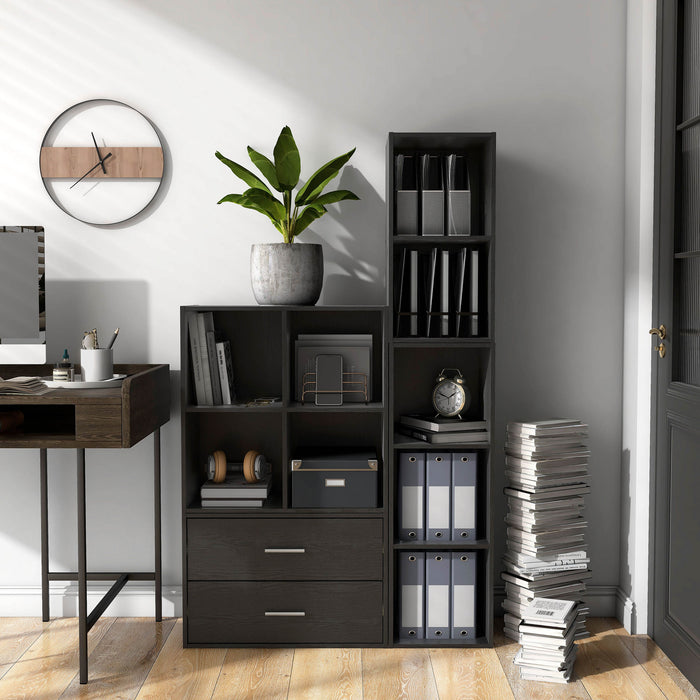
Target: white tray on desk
(116,380)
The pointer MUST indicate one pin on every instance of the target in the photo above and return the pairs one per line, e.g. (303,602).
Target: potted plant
(288,272)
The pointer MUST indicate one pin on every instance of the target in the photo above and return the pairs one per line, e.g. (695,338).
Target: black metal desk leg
(43,489)
(82,569)
(157,517)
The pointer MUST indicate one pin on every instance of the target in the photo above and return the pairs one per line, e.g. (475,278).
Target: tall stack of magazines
(546,553)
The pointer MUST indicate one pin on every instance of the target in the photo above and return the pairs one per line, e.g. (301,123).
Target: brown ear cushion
(219,466)
(249,466)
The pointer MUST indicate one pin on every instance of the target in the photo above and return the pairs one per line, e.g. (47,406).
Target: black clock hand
(99,155)
(97,165)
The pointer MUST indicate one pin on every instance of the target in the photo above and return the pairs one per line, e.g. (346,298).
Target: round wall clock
(102,162)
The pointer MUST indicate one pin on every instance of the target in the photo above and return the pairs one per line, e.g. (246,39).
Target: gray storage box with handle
(335,479)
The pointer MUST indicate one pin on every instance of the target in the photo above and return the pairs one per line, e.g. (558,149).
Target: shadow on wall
(356,261)
(75,306)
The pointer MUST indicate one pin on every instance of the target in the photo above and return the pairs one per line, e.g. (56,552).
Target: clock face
(102,162)
(449,398)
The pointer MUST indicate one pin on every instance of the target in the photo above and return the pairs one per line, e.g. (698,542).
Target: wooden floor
(139,658)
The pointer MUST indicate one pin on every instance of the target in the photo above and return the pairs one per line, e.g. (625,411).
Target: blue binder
(438,476)
(412,496)
(463,621)
(464,496)
(412,595)
(437,595)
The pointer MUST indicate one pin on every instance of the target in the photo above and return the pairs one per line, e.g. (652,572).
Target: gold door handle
(660,332)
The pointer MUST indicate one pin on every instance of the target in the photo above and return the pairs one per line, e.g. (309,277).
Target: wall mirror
(22,295)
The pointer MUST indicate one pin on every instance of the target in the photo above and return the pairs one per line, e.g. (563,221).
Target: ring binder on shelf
(412,595)
(411,496)
(437,584)
(464,496)
(437,479)
(463,625)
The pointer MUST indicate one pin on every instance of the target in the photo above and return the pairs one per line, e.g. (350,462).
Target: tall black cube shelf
(440,259)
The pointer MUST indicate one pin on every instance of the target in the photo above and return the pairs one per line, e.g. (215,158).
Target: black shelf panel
(272,508)
(441,241)
(403,442)
(479,642)
(448,545)
(422,342)
(277,408)
(371,407)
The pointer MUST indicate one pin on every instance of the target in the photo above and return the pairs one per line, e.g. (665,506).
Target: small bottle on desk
(64,370)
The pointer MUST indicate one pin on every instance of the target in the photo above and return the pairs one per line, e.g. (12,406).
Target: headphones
(254,467)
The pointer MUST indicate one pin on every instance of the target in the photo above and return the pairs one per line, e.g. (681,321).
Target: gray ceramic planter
(286,274)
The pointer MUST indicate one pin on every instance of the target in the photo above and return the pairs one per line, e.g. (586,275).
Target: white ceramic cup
(97,365)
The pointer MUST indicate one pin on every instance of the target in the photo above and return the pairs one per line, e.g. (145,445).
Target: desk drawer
(287,549)
(255,612)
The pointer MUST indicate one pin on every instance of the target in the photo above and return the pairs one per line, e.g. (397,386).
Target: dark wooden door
(676,557)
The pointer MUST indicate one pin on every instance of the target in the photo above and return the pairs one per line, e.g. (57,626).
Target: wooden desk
(91,418)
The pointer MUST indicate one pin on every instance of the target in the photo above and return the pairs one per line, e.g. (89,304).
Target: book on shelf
(23,386)
(232,502)
(212,367)
(225,363)
(235,486)
(202,327)
(451,438)
(441,424)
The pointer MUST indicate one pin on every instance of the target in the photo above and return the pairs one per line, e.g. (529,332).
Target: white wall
(547,76)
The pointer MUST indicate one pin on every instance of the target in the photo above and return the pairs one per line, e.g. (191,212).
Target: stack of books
(438,430)
(234,492)
(546,556)
(547,635)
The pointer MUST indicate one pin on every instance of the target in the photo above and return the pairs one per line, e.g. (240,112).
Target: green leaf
(250,179)
(315,184)
(265,166)
(287,160)
(257,203)
(268,201)
(308,216)
(332,197)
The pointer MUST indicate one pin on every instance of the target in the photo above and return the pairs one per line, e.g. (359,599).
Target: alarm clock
(450,395)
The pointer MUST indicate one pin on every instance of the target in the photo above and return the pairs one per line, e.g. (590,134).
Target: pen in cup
(114,337)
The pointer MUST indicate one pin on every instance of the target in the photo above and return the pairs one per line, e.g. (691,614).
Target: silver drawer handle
(284,550)
(269,613)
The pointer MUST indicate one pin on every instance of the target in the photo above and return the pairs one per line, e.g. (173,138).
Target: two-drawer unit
(286,581)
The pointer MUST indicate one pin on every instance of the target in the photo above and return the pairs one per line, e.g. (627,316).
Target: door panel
(676,555)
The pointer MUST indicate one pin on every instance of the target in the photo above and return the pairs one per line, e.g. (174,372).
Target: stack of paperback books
(438,430)
(234,492)
(546,556)
(547,635)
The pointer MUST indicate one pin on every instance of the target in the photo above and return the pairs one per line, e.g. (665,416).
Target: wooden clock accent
(102,162)
(66,161)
